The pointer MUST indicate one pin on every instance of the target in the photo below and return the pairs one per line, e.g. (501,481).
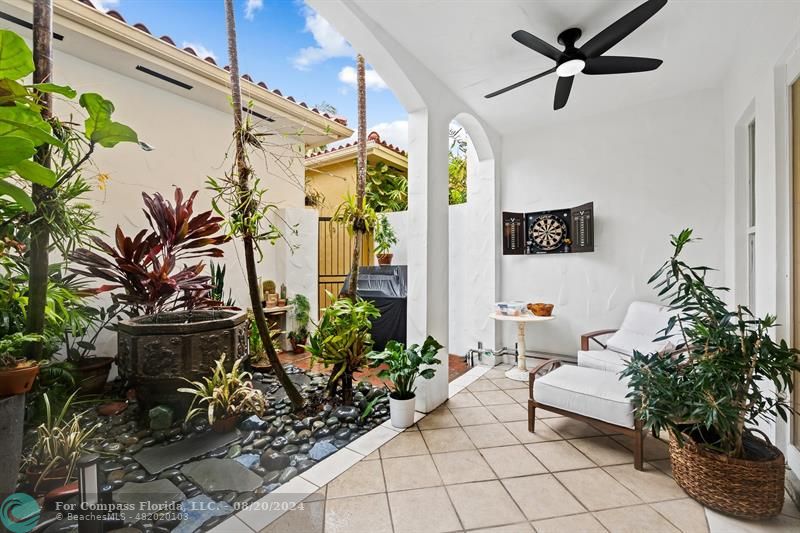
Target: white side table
(520,372)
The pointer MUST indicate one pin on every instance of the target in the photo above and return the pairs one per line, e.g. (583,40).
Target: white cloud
(330,43)
(395,132)
(373,80)
(201,50)
(105,5)
(251,7)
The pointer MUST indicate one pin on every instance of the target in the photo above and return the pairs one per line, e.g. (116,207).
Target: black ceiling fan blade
(620,64)
(536,44)
(520,83)
(620,29)
(563,87)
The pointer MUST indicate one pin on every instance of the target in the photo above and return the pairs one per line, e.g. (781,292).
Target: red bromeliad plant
(145,266)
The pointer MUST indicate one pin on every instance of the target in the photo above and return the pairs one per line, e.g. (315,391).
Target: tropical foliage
(225,394)
(146,267)
(342,341)
(457,167)
(302,309)
(721,377)
(387,188)
(404,365)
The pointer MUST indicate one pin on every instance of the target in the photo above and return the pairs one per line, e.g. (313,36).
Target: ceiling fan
(589,58)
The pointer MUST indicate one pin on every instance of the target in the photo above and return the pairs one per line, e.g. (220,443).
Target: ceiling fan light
(570,68)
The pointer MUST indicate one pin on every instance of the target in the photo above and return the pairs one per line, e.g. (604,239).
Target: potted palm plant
(385,238)
(403,366)
(225,396)
(712,391)
(299,335)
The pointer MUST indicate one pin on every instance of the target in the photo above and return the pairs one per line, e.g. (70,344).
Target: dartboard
(548,232)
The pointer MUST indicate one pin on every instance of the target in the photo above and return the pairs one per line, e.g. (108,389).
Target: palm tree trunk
(361,177)
(40,232)
(244,171)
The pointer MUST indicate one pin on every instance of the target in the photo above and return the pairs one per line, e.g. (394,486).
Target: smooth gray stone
(221,474)
(274,460)
(288,473)
(321,450)
(159,458)
(141,496)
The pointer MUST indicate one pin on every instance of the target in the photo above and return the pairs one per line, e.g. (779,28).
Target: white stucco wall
(650,171)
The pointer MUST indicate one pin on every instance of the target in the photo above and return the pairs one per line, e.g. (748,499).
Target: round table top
(527,317)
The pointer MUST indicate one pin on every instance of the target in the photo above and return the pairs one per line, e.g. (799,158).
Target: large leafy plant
(404,365)
(302,308)
(714,385)
(342,341)
(146,267)
(225,394)
(387,188)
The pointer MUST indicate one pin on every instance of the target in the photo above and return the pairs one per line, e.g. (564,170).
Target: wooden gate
(335,255)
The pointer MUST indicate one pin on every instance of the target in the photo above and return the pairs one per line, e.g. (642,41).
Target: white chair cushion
(586,391)
(643,322)
(606,360)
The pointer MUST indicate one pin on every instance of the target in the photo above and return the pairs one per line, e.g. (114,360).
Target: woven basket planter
(751,489)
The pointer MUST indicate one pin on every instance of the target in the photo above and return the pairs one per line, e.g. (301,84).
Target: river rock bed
(261,454)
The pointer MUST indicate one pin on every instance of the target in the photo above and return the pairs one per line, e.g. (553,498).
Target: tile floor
(472,466)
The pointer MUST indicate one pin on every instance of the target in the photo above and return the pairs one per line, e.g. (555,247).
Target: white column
(428,245)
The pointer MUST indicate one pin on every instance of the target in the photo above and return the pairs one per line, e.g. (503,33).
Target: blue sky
(281,42)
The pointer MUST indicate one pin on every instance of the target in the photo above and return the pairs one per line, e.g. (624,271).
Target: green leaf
(63,90)
(25,122)
(18,195)
(15,149)
(35,173)
(16,59)
(99,127)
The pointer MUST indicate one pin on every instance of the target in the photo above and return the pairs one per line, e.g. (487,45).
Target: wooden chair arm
(592,335)
(543,369)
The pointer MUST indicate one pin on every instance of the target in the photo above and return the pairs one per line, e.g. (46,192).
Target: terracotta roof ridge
(167,39)
(372,138)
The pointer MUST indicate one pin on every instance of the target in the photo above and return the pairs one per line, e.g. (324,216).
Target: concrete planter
(156,353)
(402,412)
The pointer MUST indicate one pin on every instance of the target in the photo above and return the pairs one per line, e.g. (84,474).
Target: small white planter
(402,412)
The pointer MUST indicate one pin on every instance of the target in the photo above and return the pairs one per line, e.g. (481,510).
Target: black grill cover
(387,288)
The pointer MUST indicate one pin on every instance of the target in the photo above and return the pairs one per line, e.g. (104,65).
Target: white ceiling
(468,46)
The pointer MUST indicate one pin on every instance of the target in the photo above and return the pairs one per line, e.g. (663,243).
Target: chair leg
(531,416)
(638,445)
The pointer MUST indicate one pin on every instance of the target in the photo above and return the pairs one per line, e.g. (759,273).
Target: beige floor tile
(509,412)
(720,523)
(497,372)
(365,477)
(559,455)
(544,413)
(426,510)
(665,465)
(484,504)
(447,440)
(596,490)
(462,467)
(542,496)
(358,513)
(493,397)
(440,418)
(406,443)
(654,449)
(512,461)
(789,507)
(374,455)
(651,485)
(634,520)
(307,517)
(603,450)
(522,527)
(520,431)
(463,399)
(686,514)
(470,416)
(415,472)
(490,435)
(482,385)
(570,428)
(577,523)
(505,383)
(520,396)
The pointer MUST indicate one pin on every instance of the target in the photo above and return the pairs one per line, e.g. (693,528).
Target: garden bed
(203,476)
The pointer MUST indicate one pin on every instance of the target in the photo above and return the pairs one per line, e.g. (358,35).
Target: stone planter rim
(139,325)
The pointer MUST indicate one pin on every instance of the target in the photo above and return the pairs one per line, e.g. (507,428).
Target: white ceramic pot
(402,412)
